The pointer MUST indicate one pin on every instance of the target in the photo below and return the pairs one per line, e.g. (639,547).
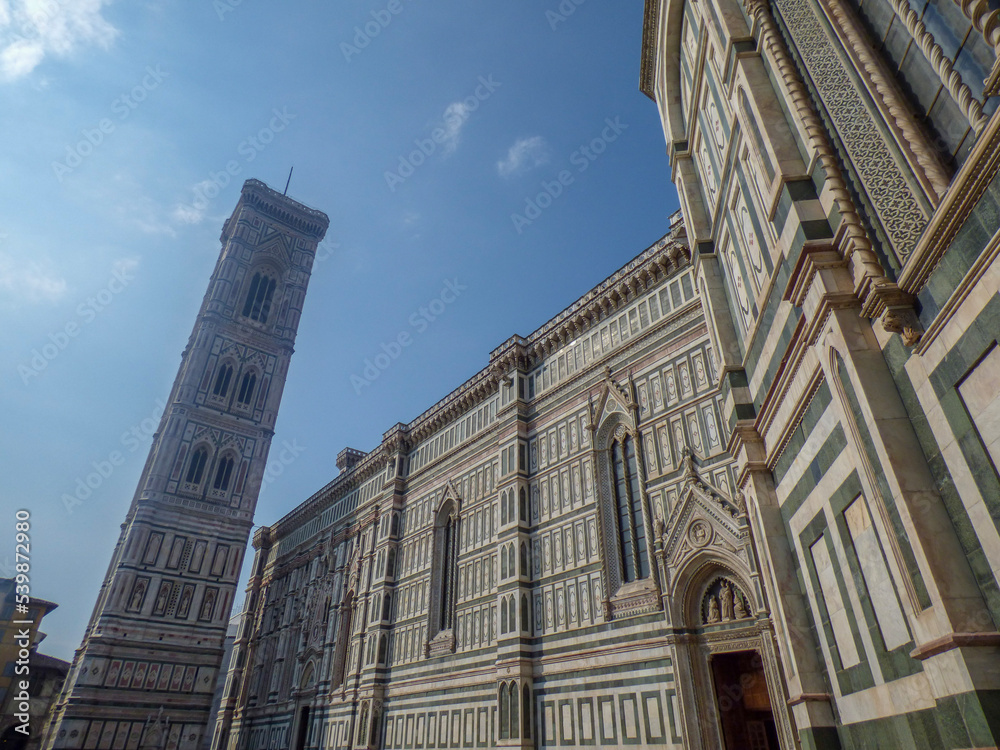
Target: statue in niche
(739,608)
(137,596)
(713,611)
(726,596)
(659,527)
(161,599)
(185,605)
(208,605)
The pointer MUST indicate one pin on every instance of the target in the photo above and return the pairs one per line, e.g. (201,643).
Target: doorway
(300,739)
(744,704)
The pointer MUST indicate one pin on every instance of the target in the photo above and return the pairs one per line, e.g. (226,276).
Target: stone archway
(730,685)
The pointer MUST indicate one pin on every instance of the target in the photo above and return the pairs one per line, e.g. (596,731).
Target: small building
(22,663)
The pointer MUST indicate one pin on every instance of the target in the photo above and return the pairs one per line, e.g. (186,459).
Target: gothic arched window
(441,615)
(526,711)
(249,382)
(196,468)
(222,381)
(514,722)
(631,530)
(344,622)
(259,296)
(222,474)
(504,700)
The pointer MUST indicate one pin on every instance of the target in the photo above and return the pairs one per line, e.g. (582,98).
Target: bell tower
(146,671)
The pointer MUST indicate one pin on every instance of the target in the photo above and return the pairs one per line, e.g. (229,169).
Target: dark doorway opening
(743,701)
(300,739)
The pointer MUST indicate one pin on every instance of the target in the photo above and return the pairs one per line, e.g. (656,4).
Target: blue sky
(121,121)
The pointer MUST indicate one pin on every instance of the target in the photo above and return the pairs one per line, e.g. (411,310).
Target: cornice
(280,208)
(957,205)
(647,64)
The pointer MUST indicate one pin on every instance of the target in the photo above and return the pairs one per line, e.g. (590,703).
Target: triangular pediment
(611,398)
(275,244)
(704,516)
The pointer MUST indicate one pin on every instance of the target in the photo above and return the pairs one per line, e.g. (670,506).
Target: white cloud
(455,117)
(196,211)
(525,154)
(32,29)
(29,282)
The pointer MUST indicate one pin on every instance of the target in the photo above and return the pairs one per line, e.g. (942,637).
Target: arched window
(386,606)
(196,468)
(525,625)
(633,555)
(513,698)
(503,615)
(504,701)
(524,504)
(245,396)
(259,296)
(222,381)
(441,611)
(390,565)
(383,648)
(524,560)
(526,711)
(449,555)
(345,617)
(222,474)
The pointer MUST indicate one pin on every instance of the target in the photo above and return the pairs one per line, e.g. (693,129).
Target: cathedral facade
(743,493)
(552,555)
(837,165)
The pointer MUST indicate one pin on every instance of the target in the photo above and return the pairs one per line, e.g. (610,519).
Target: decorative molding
(897,112)
(966,189)
(953,641)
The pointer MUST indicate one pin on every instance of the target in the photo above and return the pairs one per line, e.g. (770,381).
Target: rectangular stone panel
(833,599)
(881,590)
